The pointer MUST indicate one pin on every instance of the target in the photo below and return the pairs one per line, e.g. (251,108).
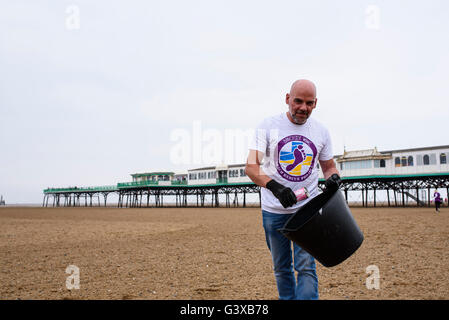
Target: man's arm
(253,169)
(331,174)
(329,168)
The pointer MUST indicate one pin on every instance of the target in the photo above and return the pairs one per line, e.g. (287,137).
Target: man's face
(301,102)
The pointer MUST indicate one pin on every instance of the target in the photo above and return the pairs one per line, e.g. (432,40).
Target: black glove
(333,182)
(284,194)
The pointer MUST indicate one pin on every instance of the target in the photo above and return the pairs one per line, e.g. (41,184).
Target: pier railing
(81,189)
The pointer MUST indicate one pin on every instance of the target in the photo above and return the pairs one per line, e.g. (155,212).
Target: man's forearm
(257,175)
(330,172)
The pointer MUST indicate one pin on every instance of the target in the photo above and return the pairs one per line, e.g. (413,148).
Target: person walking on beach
(437,200)
(284,157)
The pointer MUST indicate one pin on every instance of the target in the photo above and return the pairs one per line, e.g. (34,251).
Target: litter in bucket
(325,228)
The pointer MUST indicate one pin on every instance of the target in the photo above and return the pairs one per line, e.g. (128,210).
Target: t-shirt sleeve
(326,152)
(260,138)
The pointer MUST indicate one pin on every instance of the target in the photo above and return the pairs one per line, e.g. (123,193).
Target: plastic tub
(325,228)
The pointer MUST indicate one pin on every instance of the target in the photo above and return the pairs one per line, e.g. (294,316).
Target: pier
(400,190)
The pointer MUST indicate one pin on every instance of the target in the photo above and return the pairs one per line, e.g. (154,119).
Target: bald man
(283,158)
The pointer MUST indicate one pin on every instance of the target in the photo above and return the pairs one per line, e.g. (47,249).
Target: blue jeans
(306,285)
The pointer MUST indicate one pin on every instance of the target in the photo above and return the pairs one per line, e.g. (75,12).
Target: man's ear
(287,98)
(316,100)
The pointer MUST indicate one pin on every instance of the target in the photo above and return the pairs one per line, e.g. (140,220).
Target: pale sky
(91,91)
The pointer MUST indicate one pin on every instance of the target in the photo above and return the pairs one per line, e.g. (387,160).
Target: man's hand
(284,194)
(333,182)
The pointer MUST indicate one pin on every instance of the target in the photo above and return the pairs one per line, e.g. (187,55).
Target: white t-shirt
(291,157)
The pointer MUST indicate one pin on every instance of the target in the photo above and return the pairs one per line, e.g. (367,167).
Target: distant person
(437,200)
(292,144)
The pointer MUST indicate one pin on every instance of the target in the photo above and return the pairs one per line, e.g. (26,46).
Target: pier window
(443,159)
(379,163)
(426,159)
(211,175)
(242,173)
(360,164)
(233,173)
(403,161)
(433,159)
(192,176)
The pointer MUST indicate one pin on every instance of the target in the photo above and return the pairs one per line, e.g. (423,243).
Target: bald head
(301,101)
(303,85)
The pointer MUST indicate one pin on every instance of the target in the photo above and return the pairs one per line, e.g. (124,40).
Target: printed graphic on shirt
(296,156)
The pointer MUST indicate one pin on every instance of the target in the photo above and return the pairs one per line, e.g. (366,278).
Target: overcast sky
(91,91)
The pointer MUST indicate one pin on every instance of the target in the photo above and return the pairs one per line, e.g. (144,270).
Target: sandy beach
(207,253)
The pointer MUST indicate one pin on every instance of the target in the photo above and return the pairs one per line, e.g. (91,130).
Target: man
(290,145)
(437,199)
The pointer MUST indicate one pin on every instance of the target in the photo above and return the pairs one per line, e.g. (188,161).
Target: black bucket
(325,228)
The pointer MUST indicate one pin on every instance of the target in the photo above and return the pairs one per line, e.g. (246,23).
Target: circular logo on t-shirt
(295,158)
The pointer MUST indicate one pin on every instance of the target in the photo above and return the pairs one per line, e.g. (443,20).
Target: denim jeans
(306,285)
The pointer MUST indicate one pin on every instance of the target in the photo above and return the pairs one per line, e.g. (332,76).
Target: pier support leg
(417,196)
(395,199)
(403,197)
(244,199)
(363,197)
(366,197)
